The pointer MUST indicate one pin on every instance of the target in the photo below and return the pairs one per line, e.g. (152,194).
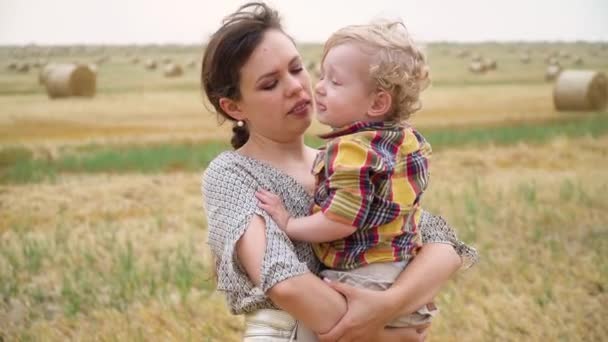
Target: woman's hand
(273,205)
(367,315)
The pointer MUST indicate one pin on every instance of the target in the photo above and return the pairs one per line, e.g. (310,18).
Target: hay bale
(580,90)
(477,67)
(166,60)
(476,58)
(11,66)
(172,70)
(63,80)
(462,53)
(191,64)
(525,58)
(23,68)
(150,64)
(578,61)
(552,72)
(552,61)
(103,59)
(44,72)
(490,64)
(93,68)
(311,66)
(135,60)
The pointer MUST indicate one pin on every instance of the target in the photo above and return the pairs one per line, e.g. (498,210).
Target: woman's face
(276,99)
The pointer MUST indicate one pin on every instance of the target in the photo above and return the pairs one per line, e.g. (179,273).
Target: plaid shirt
(371,175)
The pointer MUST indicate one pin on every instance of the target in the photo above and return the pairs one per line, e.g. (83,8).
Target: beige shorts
(275,326)
(380,276)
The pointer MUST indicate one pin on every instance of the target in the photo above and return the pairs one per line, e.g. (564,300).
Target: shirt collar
(360,126)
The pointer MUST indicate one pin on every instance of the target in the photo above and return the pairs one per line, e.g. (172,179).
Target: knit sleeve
(230,203)
(434,229)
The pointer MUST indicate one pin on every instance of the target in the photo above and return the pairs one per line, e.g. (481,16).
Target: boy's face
(344,92)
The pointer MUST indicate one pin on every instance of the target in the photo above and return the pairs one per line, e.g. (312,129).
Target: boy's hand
(273,205)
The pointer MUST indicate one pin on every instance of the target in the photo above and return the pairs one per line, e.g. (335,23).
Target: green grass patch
(18,165)
(540,132)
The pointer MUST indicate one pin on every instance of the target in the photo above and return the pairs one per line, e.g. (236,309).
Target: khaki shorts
(275,326)
(380,276)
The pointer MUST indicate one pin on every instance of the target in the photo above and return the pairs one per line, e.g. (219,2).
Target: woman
(253,75)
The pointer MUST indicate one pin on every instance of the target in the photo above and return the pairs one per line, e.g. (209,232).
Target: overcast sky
(191,21)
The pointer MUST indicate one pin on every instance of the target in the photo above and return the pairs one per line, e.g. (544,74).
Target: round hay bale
(578,61)
(93,68)
(552,72)
(135,60)
(103,59)
(11,66)
(311,66)
(44,71)
(150,64)
(525,58)
(23,68)
(63,80)
(490,64)
(476,58)
(477,67)
(580,90)
(172,70)
(462,53)
(552,61)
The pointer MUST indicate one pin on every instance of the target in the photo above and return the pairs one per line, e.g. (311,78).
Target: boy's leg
(379,277)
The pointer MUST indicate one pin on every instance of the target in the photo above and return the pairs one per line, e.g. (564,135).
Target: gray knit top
(229,185)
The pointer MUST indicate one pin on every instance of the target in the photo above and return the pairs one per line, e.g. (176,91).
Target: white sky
(191,21)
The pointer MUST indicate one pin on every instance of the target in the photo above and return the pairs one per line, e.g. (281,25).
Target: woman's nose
(294,85)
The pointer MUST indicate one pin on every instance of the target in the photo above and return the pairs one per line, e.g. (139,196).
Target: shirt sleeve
(349,167)
(434,229)
(230,204)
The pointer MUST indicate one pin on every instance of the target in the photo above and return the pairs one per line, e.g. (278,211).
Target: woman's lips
(300,108)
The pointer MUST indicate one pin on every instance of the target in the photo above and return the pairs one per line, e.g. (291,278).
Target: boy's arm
(313,228)
(317,228)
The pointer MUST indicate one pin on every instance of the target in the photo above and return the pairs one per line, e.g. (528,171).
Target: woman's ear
(381,105)
(231,108)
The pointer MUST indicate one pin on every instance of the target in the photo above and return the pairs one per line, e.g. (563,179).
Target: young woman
(253,75)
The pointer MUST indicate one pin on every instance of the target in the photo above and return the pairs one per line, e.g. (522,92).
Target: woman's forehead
(275,51)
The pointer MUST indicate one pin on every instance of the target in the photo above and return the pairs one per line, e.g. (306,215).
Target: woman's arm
(320,308)
(370,311)
(306,297)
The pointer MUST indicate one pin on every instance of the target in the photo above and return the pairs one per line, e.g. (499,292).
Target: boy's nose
(319,89)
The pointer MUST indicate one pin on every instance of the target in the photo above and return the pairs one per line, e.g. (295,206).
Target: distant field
(102,234)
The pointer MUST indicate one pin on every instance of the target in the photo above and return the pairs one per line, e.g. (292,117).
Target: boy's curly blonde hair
(398,66)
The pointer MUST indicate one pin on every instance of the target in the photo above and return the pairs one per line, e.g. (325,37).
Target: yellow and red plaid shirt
(371,175)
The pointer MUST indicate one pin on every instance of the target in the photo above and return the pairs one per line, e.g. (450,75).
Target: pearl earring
(240,123)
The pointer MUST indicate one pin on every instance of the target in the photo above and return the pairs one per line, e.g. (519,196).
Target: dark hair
(228,50)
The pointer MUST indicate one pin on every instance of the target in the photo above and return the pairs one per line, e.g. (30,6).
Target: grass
(123,257)
(18,164)
(102,236)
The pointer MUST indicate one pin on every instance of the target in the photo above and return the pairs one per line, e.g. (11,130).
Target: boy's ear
(382,104)
(231,108)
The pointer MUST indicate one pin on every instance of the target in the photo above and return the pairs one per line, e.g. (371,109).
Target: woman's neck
(273,152)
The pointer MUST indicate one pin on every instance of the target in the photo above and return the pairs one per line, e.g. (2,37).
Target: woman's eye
(297,70)
(270,86)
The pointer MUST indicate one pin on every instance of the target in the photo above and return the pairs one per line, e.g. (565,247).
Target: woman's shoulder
(226,169)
